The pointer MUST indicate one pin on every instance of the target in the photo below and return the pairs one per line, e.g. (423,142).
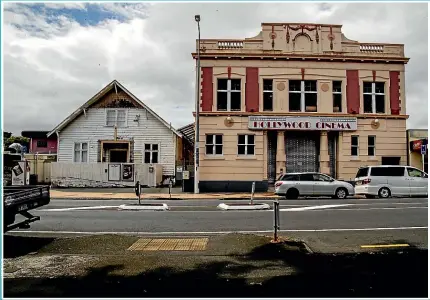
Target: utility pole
(197,139)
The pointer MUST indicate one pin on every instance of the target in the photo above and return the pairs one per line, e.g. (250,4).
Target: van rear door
(362,173)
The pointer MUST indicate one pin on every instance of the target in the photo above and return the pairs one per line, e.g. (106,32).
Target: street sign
(423,149)
(185,175)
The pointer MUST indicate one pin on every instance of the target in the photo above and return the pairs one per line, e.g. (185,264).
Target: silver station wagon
(293,185)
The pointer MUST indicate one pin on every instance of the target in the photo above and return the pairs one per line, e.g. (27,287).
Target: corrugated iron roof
(189,132)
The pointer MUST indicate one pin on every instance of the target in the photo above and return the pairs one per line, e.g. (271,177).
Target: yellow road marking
(196,244)
(385,246)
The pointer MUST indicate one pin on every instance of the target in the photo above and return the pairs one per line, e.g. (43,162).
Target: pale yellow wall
(415,160)
(323,72)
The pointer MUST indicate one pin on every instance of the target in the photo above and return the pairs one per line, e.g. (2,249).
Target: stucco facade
(416,139)
(298,97)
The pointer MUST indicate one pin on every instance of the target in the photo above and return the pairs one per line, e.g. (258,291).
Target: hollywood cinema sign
(302,123)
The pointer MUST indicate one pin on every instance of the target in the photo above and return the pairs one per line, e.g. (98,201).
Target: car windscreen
(362,172)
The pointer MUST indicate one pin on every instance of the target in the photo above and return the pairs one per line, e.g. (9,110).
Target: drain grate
(169,245)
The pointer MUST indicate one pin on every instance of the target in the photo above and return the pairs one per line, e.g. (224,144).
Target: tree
(17,139)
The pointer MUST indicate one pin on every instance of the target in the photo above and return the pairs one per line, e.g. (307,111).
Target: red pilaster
(395,92)
(352,92)
(252,91)
(207,89)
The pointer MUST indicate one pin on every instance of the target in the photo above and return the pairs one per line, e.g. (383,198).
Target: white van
(386,181)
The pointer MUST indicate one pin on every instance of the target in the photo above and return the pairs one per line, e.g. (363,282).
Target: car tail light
(278,184)
(366,181)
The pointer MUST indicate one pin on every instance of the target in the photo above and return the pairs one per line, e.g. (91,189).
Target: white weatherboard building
(114,139)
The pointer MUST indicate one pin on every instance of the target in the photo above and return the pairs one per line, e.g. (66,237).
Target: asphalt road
(325,223)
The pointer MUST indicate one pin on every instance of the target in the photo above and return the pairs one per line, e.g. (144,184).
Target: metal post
(252,193)
(423,159)
(276,225)
(170,188)
(197,139)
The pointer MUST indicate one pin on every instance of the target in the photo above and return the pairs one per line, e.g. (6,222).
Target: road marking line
(385,246)
(314,207)
(216,232)
(79,208)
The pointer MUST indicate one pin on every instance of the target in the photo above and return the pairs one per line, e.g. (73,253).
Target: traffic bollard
(276,222)
(252,193)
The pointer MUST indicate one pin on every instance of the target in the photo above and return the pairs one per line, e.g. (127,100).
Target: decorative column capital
(323,132)
(281,133)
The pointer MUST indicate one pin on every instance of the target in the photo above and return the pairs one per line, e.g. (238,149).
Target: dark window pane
(294,85)
(209,150)
(147,157)
(354,140)
(209,139)
(235,101)
(218,139)
(367,87)
(250,150)
(294,102)
(311,102)
(222,101)
(371,140)
(379,87)
(241,149)
(354,151)
(380,104)
(222,84)
(367,99)
(337,86)
(397,171)
(362,172)
(290,178)
(310,85)
(337,102)
(267,85)
(235,84)
(306,177)
(268,101)
(371,151)
(241,139)
(155,157)
(218,149)
(250,139)
(380,171)
(155,147)
(42,144)
(147,146)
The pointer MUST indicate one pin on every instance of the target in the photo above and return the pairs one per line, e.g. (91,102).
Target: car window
(306,177)
(380,171)
(362,172)
(290,178)
(415,173)
(320,177)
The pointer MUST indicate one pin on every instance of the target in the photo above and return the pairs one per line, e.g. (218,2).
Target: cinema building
(296,98)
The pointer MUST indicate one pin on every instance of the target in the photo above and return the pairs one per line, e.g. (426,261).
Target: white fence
(105,174)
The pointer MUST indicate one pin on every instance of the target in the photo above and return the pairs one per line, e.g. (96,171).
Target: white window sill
(355,158)
(372,158)
(246,157)
(214,157)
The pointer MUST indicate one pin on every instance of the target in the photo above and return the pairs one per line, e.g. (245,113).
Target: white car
(391,181)
(293,185)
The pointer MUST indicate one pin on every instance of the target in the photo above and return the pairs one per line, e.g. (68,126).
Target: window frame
(374,94)
(302,93)
(337,93)
(246,144)
(45,144)
(371,146)
(268,92)
(214,144)
(116,117)
(415,169)
(229,91)
(355,146)
(151,151)
(80,151)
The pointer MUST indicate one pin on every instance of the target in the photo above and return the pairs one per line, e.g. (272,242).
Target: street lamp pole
(197,138)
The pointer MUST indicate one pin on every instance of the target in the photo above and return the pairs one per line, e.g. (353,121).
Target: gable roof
(113,85)
(188,132)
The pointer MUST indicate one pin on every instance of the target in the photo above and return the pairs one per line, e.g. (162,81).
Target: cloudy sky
(58,55)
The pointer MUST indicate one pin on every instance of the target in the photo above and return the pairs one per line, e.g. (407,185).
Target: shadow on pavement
(23,245)
(393,273)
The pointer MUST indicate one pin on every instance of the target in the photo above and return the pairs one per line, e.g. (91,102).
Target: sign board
(127,172)
(179,169)
(18,173)
(423,149)
(185,175)
(302,123)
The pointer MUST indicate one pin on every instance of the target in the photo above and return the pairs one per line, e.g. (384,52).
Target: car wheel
(341,193)
(384,192)
(292,194)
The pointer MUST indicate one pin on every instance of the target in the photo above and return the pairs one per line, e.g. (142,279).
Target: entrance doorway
(272,144)
(302,151)
(118,156)
(333,138)
(390,160)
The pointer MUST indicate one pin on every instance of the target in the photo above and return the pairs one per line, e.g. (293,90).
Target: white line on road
(79,208)
(314,207)
(215,232)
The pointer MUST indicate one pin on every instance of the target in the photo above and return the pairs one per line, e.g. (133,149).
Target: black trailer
(18,200)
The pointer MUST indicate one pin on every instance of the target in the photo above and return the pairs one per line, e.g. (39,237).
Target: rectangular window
(81,153)
(229,95)
(374,97)
(268,95)
(214,144)
(42,144)
(246,144)
(337,96)
(303,95)
(151,154)
(371,139)
(116,117)
(354,145)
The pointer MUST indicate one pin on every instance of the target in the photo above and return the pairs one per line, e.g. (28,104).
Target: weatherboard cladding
(91,128)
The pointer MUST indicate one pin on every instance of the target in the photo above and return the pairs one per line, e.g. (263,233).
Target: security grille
(332,138)
(271,157)
(302,154)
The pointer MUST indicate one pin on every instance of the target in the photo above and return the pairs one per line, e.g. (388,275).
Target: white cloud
(52,64)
